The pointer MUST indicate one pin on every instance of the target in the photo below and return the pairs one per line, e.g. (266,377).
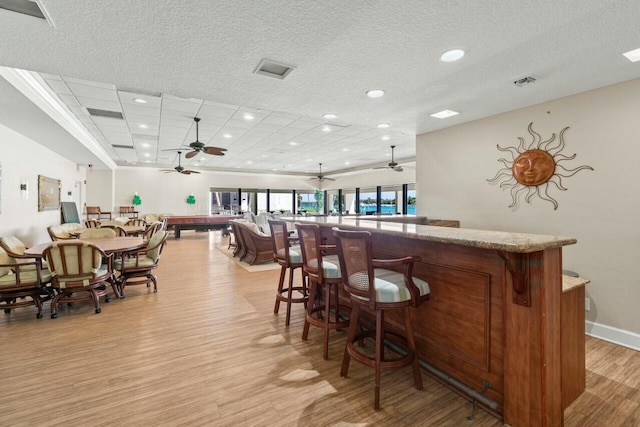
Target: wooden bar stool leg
(351,335)
(379,345)
(411,342)
(312,297)
(289,294)
(327,306)
(280,286)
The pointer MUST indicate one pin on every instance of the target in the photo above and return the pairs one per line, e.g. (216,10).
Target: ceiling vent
(126,147)
(105,113)
(24,7)
(273,69)
(524,81)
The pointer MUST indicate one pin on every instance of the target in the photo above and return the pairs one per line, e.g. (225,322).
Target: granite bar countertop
(486,239)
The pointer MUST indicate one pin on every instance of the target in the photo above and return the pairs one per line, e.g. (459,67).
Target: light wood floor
(208,350)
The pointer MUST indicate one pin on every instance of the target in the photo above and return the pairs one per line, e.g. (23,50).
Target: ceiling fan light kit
(393,165)
(321,177)
(199,147)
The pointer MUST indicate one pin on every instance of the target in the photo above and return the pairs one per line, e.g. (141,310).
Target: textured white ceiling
(198,58)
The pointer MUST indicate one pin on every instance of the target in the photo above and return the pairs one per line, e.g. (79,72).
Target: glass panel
(349,197)
(391,200)
(224,201)
(309,202)
(280,201)
(411,199)
(368,201)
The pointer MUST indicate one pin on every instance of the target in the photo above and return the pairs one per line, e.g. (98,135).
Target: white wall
(22,161)
(600,208)
(167,192)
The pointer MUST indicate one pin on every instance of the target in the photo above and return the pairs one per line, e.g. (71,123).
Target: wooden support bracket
(518,266)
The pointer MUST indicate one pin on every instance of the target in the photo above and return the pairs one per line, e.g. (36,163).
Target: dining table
(132,230)
(109,245)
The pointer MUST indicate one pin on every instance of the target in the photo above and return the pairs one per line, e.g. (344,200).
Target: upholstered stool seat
(324,309)
(378,285)
(290,258)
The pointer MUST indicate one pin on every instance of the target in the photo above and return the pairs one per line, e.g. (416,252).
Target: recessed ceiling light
(444,114)
(248,117)
(147,154)
(383,125)
(226,135)
(326,129)
(293,143)
(308,160)
(145,145)
(345,149)
(249,162)
(264,156)
(385,138)
(452,55)
(375,93)
(143,126)
(330,116)
(633,55)
(140,100)
(347,163)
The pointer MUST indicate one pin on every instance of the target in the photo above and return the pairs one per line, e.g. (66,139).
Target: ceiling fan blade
(398,169)
(324,178)
(190,154)
(176,149)
(381,167)
(214,151)
(188,171)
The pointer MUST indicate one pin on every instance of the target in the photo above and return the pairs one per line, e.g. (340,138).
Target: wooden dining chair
(80,271)
(137,222)
(119,230)
(92,223)
(97,233)
(22,281)
(140,264)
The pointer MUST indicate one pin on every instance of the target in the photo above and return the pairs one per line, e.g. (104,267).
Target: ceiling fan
(179,168)
(393,165)
(198,146)
(321,177)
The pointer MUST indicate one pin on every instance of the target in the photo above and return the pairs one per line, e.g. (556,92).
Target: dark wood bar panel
(492,327)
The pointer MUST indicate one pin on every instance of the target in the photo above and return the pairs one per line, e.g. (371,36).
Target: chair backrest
(151,229)
(119,230)
(280,237)
(355,254)
(60,232)
(92,223)
(137,221)
(5,263)
(12,245)
(309,235)
(155,245)
(74,262)
(98,233)
(93,210)
(126,210)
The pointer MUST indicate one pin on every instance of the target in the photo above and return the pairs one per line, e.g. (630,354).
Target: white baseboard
(614,335)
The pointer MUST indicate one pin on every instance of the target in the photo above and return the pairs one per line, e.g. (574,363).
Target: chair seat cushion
(131,263)
(390,286)
(295,254)
(103,271)
(27,278)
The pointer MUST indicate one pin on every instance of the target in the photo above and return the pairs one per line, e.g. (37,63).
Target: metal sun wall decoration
(533,167)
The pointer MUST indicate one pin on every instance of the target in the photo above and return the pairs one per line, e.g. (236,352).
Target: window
(391,200)
(368,200)
(280,200)
(309,202)
(225,200)
(411,199)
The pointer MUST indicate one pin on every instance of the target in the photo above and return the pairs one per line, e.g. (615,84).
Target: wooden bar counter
(492,327)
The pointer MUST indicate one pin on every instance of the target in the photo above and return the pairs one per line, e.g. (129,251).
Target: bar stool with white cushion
(376,285)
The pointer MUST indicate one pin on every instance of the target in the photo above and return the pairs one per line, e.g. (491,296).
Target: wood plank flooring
(208,350)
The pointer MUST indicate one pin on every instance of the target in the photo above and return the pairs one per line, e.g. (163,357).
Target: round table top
(108,245)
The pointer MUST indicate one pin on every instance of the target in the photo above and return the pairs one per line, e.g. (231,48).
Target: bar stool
(289,258)
(324,281)
(372,285)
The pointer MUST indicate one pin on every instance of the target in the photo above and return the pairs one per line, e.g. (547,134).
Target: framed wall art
(48,194)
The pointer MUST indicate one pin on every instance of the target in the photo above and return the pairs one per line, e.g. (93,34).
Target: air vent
(24,7)
(524,81)
(144,137)
(105,113)
(127,147)
(273,69)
